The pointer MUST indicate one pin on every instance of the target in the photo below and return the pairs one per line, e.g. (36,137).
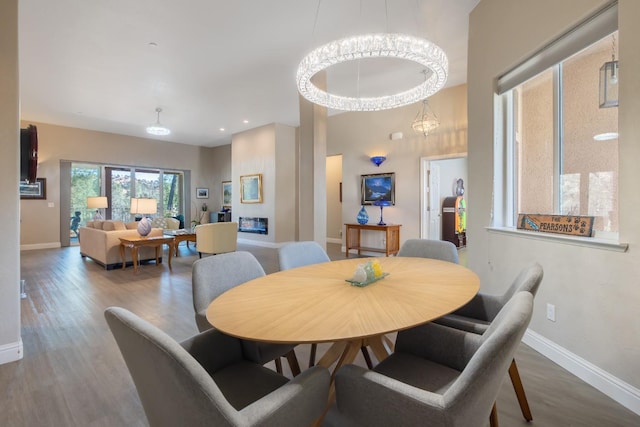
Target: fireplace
(253,225)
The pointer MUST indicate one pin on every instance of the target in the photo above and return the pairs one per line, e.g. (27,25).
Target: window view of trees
(85,182)
(120,184)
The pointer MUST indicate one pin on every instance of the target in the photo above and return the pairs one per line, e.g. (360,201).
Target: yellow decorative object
(367,273)
(377,268)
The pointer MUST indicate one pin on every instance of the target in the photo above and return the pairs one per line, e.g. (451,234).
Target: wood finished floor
(72,373)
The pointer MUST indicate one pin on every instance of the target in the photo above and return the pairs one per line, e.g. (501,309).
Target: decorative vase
(363,216)
(144,226)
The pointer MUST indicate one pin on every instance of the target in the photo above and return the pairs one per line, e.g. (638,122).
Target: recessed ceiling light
(153,44)
(221,129)
(245,121)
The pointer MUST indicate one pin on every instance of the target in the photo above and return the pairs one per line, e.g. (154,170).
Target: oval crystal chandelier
(157,128)
(399,46)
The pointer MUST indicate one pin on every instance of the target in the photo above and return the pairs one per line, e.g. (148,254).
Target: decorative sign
(561,224)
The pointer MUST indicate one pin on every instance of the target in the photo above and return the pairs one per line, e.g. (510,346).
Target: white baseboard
(334,240)
(259,243)
(52,245)
(10,352)
(623,393)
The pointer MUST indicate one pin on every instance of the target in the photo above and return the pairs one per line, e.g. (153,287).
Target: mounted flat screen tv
(29,154)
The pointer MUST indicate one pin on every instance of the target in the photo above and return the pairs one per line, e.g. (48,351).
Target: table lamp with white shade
(144,207)
(97,203)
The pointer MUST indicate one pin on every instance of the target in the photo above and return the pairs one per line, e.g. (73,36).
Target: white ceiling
(90,63)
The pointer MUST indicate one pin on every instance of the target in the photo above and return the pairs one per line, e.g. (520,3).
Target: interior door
(434,215)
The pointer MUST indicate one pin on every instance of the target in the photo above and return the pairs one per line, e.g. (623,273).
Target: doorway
(439,179)
(334,199)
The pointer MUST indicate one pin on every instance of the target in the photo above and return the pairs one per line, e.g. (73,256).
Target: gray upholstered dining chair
(298,254)
(207,379)
(212,276)
(426,248)
(438,376)
(477,315)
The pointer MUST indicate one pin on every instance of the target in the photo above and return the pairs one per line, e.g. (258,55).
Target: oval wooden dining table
(314,304)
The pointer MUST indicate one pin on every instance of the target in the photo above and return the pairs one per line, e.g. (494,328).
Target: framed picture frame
(251,188)
(378,186)
(202,193)
(34,190)
(226,194)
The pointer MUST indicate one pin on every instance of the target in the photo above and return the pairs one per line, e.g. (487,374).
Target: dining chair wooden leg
(312,355)
(278,365)
(293,363)
(367,358)
(493,417)
(519,389)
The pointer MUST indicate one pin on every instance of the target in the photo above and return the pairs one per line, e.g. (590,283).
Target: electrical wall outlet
(551,312)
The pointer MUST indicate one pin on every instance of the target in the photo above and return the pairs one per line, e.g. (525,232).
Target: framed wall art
(34,190)
(202,193)
(378,186)
(226,194)
(251,188)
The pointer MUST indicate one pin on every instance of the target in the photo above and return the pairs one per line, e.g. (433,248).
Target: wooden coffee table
(137,242)
(181,235)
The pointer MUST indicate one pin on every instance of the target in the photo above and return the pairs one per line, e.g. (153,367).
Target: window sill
(592,242)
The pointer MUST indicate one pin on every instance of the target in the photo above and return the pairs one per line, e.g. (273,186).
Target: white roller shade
(583,35)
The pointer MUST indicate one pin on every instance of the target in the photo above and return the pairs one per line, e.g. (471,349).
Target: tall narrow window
(119,193)
(85,182)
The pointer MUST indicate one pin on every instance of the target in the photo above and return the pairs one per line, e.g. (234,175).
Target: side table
(136,242)
(181,235)
(392,238)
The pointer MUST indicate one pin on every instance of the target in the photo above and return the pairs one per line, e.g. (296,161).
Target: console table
(392,238)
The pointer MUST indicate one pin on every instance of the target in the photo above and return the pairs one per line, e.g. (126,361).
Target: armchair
(425,248)
(206,380)
(477,315)
(211,276)
(217,238)
(438,376)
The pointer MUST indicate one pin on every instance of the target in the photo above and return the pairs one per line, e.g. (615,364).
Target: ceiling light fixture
(607,136)
(156,128)
(399,46)
(426,120)
(609,79)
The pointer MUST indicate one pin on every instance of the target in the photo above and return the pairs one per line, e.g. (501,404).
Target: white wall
(40,226)
(595,291)
(10,341)
(360,135)
(218,170)
(265,150)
